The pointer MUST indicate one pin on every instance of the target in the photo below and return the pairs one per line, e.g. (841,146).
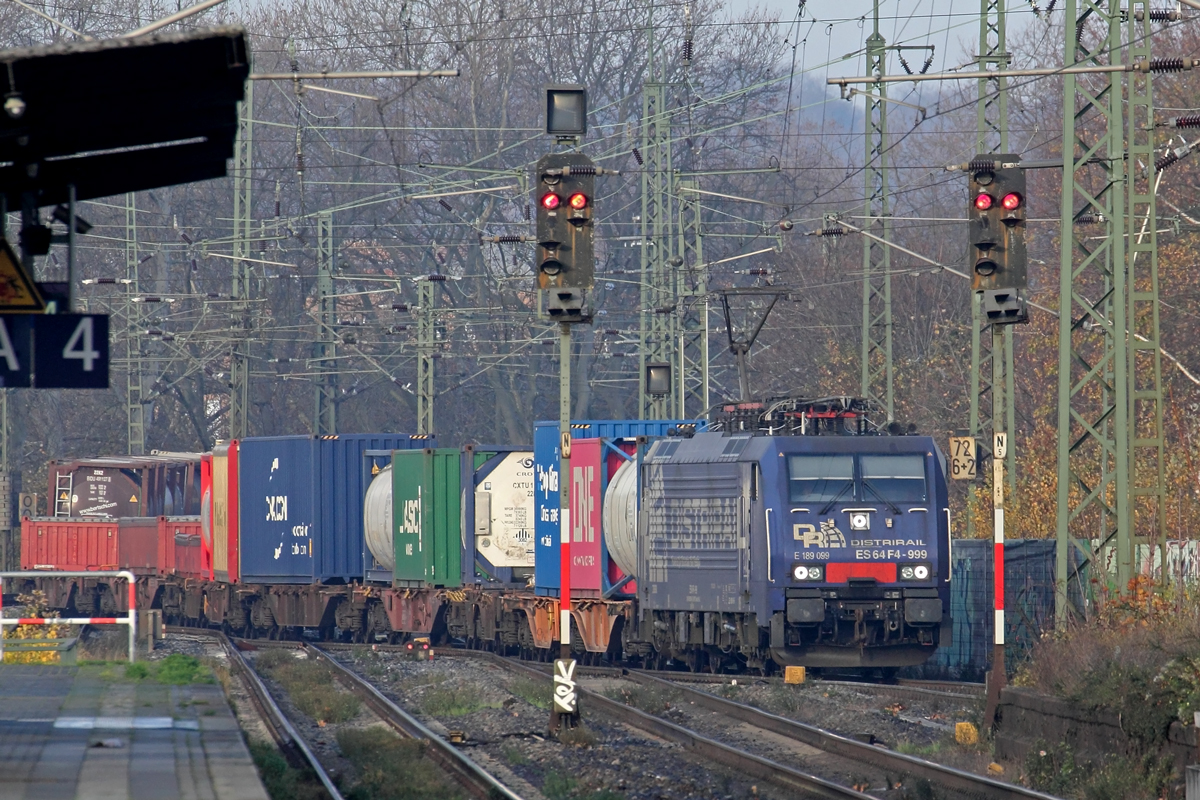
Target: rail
(289,740)
(473,777)
(739,760)
(129,619)
(966,783)
(949,777)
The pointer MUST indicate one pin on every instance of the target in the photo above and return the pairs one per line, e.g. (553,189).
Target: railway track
(289,740)
(961,783)
(474,779)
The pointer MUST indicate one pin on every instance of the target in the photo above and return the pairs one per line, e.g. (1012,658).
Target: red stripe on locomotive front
(884,572)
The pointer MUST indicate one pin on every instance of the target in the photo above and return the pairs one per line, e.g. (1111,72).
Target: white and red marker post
(998,676)
(564,710)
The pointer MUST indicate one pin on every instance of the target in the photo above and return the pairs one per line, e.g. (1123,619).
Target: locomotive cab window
(895,479)
(820,479)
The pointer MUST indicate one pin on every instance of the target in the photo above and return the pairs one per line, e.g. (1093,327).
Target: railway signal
(997,217)
(564,195)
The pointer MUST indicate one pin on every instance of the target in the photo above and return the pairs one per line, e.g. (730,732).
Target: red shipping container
(226,564)
(77,545)
(206,526)
(179,547)
(137,545)
(586,563)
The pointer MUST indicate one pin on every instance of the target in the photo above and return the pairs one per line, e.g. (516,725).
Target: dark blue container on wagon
(302,504)
(546,528)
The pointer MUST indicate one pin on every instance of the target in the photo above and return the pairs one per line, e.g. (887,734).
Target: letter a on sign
(14,351)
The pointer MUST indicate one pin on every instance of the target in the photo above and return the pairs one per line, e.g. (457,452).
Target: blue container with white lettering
(546,527)
(301,509)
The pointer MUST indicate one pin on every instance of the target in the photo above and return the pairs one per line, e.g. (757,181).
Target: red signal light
(578,201)
(1011,201)
(551,201)
(984,201)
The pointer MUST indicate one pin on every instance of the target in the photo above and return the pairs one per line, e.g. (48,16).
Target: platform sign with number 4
(963,458)
(70,351)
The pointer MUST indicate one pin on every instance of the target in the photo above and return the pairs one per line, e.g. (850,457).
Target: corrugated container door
(408,497)
(426,520)
(278,503)
(342,476)
(220,512)
(446,478)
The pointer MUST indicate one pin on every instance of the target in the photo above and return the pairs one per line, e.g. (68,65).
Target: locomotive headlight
(860,522)
(814,573)
(915,572)
(800,572)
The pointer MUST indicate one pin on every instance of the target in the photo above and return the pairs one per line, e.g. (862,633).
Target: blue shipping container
(546,529)
(302,503)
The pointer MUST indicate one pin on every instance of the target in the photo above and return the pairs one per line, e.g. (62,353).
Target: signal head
(984,201)
(578,201)
(1011,201)
(551,201)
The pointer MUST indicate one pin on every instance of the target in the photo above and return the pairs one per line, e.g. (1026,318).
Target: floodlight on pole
(566,110)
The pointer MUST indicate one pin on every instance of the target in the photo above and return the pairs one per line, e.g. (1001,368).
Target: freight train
(773,535)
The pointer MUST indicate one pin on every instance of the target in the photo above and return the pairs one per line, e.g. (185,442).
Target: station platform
(81,733)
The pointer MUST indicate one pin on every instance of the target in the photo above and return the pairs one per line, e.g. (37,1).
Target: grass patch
(179,670)
(1054,769)
(312,686)
(912,749)
(281,780)
(536,693)
(514,756)
(391,768)
(578,736)
(137,671)
(454,701)
(650,699)
(274,658)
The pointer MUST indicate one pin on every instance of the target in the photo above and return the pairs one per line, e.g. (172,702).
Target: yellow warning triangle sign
(62,496)
(133,499)
(18,292)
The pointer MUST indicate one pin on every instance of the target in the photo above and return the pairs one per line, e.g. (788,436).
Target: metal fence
(129,619)
(1028,602)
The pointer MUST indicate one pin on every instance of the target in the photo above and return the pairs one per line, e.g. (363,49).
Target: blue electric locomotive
(815,550)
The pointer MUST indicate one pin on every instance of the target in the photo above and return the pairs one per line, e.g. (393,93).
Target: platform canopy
(119,115)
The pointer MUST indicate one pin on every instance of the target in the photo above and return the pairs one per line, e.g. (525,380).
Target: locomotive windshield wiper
(836,497)
(895,508)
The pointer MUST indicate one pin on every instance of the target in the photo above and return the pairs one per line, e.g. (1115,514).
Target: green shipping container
(426,517)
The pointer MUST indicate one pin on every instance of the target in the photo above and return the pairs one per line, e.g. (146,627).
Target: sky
(829,31)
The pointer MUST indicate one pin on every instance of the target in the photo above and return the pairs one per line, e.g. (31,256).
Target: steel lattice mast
(877,369)
(426,343)
(658,295)
(1093,358)
(325,346)
(1147,468)
(135,409)
(692,321)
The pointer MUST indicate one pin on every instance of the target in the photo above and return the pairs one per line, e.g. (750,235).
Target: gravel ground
(492,707)
(922,726)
